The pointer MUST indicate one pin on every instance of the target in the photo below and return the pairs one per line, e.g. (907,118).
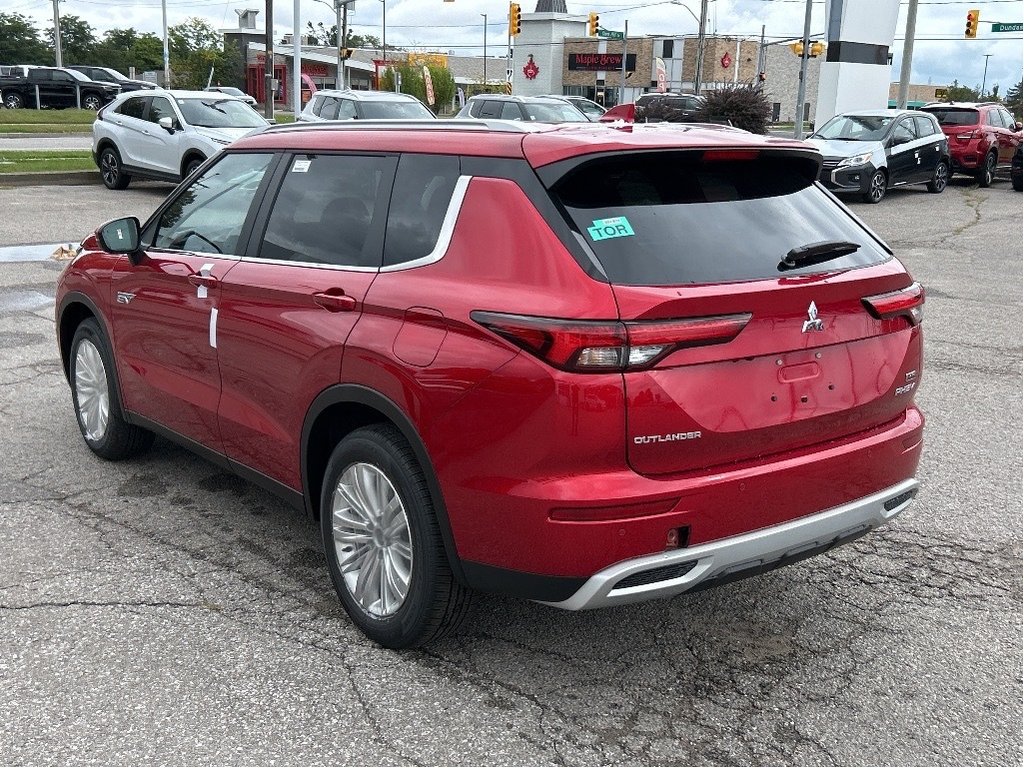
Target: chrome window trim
(444,237)
(308,264)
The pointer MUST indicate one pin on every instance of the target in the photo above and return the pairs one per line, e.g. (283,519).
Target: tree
(957,92)
(77,40)
(412,82)
(20,42)
(197,50)
(743,106)
(1013,99)
(125,48)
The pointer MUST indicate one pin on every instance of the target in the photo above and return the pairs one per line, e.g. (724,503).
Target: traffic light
(817,49)
(797,48)
(973,17)
(593,24)
(515,19)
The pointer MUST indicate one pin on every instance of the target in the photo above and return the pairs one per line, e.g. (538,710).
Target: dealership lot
(163,611)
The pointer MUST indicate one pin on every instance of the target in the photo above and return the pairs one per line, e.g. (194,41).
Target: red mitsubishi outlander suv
(583,365)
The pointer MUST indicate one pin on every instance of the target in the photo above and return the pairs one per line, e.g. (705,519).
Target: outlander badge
(812,323)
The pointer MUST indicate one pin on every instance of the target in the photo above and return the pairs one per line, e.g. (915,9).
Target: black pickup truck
(56,88)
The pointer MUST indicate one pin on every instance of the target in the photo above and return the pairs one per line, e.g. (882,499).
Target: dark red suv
(982,138)
(582,365)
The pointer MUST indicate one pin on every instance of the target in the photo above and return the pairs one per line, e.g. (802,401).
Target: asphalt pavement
(162,611)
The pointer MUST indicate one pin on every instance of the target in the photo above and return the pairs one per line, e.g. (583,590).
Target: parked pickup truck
(56,88)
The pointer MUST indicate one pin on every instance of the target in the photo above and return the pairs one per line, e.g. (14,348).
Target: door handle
(203,280)
(206,281)
(335,301)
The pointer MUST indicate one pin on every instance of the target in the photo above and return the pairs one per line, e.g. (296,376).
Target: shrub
(742,106)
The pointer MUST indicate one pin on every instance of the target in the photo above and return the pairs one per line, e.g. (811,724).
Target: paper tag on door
(301,166)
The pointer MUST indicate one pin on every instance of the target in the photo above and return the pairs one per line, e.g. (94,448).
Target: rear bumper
(718,562)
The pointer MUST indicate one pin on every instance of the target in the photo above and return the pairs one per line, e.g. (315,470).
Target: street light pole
(801,93)
(699,71)
(339,72)
(58,55)
(908,55)
(984,77)
(485,49)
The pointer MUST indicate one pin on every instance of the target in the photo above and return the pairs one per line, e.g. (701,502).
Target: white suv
(330,104)
(166,135)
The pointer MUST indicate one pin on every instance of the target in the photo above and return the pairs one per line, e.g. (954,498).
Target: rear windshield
(553,113)
(669,218)
(955,116)
(395,110)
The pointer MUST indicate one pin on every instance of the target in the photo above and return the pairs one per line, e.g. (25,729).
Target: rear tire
(96,400)
(876,187)
(987,172)
(112,170)
(940,178)
(383,544)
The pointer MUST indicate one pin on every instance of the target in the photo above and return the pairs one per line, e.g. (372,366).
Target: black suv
(108,75)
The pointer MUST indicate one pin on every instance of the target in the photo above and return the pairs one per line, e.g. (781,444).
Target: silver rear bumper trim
(717,560)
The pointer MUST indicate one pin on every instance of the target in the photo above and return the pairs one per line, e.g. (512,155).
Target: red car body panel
(538,468)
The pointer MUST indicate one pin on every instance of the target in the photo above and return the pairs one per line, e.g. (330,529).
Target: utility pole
(296,58)
(908,55)
(699,71)
(984,77)
(485,49)
(801,94)
(625,41)
(56,36)
(344,44)
(167,47)
(268,64)
(339,74)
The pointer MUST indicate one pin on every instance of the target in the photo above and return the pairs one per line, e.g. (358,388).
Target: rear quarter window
(669,218)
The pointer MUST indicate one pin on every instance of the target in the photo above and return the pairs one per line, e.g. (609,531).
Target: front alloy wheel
(13,101)
(92,395)
(111,170)
(92,103)
(876,187)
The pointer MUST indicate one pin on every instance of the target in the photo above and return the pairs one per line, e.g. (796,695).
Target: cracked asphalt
(161,611)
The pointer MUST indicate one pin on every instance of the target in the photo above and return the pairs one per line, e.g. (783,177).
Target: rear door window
(423,191)
(670,218)
(491,109)
(330,210)
(925,127)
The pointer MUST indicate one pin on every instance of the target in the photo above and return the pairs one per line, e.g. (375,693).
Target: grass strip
(35,161)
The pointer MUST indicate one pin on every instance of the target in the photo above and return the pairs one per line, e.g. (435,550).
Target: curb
(50,179)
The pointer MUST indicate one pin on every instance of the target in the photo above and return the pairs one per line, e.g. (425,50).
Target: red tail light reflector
(603,346)
(907,302)
(723,155)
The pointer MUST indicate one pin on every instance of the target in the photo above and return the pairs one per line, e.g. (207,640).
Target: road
(71,141)
(162,611)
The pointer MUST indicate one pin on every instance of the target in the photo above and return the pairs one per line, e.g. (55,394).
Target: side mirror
(120,236)
(167,123)
(897,140)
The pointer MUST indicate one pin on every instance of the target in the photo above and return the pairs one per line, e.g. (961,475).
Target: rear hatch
(762,317)
(958,123)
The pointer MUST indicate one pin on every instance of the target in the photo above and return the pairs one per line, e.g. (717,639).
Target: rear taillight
(965,136)
(602,346)
(907,302)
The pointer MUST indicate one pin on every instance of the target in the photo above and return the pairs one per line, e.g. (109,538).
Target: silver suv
(166,135)
(530,109)
(363,105)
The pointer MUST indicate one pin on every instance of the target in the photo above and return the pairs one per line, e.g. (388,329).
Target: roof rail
(500,126)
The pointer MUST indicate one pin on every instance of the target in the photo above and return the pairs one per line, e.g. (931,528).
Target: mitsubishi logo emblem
(812,323)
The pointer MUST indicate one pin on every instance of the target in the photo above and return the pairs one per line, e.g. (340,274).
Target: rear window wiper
(816,253)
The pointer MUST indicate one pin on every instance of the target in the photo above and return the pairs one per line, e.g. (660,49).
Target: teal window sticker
(606,229)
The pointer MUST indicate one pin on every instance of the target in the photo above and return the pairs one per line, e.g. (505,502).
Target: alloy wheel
(91,103)
(877,191)
(372,540)
(941,178)
(109,168)
(91,391)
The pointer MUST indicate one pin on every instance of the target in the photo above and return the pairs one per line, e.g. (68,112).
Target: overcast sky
(940,52)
